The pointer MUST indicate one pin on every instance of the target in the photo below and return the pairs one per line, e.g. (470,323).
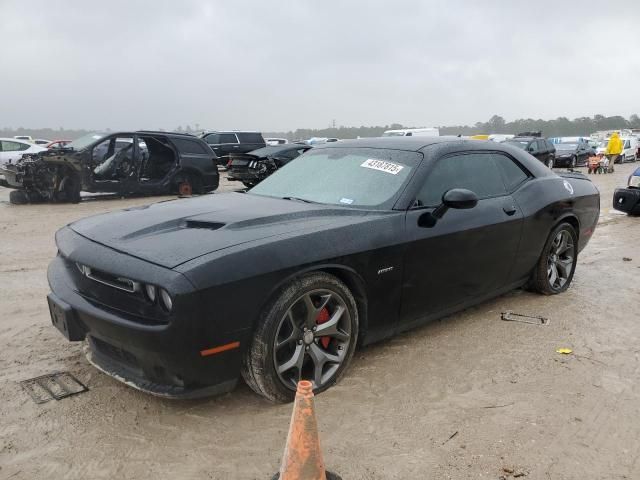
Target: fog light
(150,290)
(167,303)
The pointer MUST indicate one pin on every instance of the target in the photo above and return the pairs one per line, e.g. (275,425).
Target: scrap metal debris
(56,386)
(518,317)
(451,437)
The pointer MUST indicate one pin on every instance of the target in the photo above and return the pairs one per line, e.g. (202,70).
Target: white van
(630,149)
(413,132)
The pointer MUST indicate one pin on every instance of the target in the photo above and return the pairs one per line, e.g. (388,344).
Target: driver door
(467,254)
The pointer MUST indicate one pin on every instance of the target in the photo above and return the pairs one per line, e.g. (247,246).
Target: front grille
(115,353)
(108,279)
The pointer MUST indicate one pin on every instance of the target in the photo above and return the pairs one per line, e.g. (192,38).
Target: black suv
(226,143)
(541,148)
(142,162)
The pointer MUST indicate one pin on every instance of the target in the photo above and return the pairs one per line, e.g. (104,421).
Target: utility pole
(334,123)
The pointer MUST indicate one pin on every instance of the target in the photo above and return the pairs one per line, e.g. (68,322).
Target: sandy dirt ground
(467,397)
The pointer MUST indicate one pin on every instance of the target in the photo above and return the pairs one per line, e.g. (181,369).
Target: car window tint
(212,139)
(250,137)
(8,146)
(542,146)
(228,138)
(512,174)
(189,146)
(477,172)
(533,147)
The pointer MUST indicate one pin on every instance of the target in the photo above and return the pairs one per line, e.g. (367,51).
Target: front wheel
(556,266)
(308,332)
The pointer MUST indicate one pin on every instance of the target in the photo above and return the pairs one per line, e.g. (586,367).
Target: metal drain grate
(54,386)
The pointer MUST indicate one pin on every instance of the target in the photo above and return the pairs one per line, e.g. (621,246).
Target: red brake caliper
(323,317)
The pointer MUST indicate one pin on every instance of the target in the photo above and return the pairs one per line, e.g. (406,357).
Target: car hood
(173,232)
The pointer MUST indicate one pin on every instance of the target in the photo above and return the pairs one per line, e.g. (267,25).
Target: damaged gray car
(124,163)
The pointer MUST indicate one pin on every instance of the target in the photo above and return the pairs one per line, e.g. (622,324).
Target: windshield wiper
(299,199)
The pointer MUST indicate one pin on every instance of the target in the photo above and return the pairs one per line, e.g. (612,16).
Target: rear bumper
(163,360)
(627,200)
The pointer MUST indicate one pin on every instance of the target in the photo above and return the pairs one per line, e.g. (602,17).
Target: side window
(189,146)
(477,172)
(542,146)
(212,139)
(550,146)
(228,138)
(8,146)
(512,174)
(250,137)
(533,148)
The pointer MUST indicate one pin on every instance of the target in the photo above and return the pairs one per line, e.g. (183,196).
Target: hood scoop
(203,224)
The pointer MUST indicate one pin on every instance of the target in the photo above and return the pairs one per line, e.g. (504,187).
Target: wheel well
(573,221)
(355,284)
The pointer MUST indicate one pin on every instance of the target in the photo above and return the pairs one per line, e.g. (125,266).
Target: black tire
(18,197)
(542,276)
(70,190)
(259,368)
(249,184)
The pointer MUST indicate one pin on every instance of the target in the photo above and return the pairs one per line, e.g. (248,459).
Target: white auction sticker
(388,167)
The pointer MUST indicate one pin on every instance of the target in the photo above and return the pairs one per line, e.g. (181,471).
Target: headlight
(151,292)
(167,303)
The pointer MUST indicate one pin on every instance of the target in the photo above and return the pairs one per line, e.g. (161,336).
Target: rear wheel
(18,197)
(189,184)
(555,268)
(308,332)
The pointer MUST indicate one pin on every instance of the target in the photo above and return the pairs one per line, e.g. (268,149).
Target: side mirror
(457,198)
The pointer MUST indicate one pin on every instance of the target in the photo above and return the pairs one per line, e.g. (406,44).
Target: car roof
(206,132)
(18,140)
(412,144)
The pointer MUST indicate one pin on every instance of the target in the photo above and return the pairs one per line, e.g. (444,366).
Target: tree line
(559,127)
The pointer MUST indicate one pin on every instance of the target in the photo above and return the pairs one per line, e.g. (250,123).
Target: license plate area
(64,319)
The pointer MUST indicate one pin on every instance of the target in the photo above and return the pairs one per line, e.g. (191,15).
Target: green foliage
(559,127)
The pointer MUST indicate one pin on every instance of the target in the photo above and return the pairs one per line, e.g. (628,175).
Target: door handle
(509,209)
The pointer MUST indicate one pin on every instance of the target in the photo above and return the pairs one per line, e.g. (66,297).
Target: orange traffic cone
(302,459)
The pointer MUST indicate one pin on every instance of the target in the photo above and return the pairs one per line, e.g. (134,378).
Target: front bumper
(162,359)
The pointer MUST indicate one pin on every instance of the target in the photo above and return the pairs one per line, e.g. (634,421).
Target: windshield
(518,143)
(566,146)
(80,143)
(357,177)
(393,134)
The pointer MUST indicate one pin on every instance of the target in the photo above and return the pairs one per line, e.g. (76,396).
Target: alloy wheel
(312,339)
(560,260)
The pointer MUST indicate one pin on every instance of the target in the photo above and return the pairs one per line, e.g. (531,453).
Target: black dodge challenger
(347,244)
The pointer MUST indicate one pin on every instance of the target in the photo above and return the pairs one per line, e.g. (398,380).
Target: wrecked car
(253,167)
(350,243)
(124,163)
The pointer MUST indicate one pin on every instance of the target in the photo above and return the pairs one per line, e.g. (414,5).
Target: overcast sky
(283,65)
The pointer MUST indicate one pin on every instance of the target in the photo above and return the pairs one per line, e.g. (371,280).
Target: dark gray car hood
(173,232)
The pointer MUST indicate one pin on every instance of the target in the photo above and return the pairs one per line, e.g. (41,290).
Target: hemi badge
(384,270)
(220,349)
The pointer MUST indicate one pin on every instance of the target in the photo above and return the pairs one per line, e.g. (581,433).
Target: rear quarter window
(512,173)
(189,146)
(250,137)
